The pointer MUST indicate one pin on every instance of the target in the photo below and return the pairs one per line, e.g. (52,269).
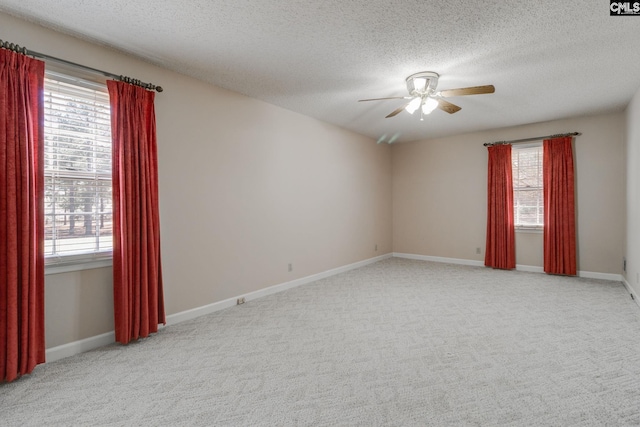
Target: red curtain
(22,344)
(501,248)
(559,207)
(137,271)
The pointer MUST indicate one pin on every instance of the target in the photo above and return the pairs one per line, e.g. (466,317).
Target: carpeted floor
(396,343)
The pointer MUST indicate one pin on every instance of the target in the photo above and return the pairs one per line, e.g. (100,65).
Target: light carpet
(395,343)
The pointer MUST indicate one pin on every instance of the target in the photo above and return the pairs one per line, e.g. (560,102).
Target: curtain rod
(537,138)
(23,50)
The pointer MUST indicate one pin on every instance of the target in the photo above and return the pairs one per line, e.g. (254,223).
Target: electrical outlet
(290,267)
(376,247)
(478,250)
(240,300)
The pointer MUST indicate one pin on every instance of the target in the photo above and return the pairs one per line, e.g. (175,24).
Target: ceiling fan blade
(475,90)
(448,107)
(398,110)
(382,99)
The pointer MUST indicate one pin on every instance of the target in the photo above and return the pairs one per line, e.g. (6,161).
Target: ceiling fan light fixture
(423,95)
(422,83)
(429,105)
(419,84)
(413,105)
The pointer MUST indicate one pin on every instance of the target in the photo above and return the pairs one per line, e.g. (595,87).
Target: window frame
(60,263)
(528,228)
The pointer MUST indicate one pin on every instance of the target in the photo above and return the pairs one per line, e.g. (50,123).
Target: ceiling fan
(423,95)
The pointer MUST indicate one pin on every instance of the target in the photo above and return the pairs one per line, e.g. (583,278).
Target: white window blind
(78,214)
(528,208)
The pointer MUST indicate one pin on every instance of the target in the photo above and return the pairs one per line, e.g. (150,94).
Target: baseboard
(439,259)
(221,305)
(529,268)
(600,276)
(631,291)
(584,274)
(519,267)
(77,347)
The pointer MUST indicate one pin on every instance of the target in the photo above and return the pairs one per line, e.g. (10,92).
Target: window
(77,168)
(528,208)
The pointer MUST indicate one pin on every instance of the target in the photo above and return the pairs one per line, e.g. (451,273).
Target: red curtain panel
(137,271)
(559,207)
(22,343)
(501,248)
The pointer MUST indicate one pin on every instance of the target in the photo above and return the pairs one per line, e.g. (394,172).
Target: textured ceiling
(547,59)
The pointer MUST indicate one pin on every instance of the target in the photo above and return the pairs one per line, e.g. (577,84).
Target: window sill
(533,230)
(77,266)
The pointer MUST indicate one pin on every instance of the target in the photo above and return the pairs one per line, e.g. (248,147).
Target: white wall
(246,188)
(439,194)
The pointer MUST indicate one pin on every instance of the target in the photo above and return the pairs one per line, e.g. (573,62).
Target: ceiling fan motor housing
(422,83)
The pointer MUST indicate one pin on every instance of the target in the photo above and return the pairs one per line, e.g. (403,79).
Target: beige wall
(78,305)
(245,189)
(632,151)
(439,194)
